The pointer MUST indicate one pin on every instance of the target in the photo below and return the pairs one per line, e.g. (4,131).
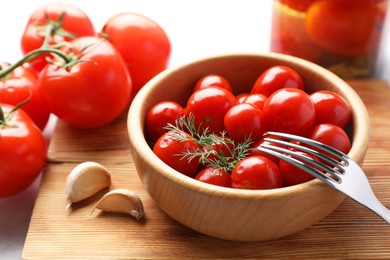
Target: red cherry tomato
(20,85)
(91,93)
(244,121)
(331,108)
(289,110)
(340,27)
(255,99)
(331,135)
(159,116)
(22,152)
(213,80)
(275,78)
(209,106)
(143,44)
(292,175)
(256,172)
(170,151)
(75,22)
(214,176)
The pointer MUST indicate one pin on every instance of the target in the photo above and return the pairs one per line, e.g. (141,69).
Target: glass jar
(343,36)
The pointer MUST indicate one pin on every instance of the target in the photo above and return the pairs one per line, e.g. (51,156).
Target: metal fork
(334,168)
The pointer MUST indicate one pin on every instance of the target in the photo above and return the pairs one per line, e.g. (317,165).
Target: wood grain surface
(350,232)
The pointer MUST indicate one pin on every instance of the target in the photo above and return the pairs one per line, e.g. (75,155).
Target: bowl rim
(135,124)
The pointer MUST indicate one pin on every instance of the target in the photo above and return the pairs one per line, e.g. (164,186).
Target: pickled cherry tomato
(331,135)
(276,78)
(159,116)
(214,176)
(348,28)
(244,121)
(213,80)
(331,108)
(256,172)
(289,110)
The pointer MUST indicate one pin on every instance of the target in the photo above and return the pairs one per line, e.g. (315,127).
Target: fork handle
(372,203)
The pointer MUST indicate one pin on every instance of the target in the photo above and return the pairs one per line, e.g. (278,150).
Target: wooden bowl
(227,213)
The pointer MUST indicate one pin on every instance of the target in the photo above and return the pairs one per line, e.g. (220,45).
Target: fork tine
(308,150)
(313,143)
(302,162)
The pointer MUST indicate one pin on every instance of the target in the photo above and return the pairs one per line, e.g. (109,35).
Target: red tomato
(214,176)
(275,78)
(331,108)
(340,27)
(292,175)
(170,151)
(244,121)
(289,110)
(75,23)
(256,99)
(17,87)
(213,80)
(159,116)
(331,135)
(91,93)
(209,106)
(256,172)
(22,152)
(143,44)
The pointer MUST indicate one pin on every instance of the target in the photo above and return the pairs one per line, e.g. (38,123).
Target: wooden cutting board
(350,232)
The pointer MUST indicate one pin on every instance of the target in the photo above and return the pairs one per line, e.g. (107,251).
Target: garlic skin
(121,201)
(85,180)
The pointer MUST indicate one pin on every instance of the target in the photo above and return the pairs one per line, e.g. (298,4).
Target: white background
(196,29)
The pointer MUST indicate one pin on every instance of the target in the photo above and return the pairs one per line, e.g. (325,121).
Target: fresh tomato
(213,80)
(331,135)
(331,108)
(256,99)
(209,106)
(289,110)
(94,91)
(171,150)
(339,26)
(214,176)
(22,153)
(275,78)
(143,44)
(74,23)
(159,116)
(20,85)
(244,121)
(256,172)
(292,175)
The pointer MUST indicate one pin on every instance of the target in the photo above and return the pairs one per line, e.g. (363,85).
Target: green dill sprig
(185,129)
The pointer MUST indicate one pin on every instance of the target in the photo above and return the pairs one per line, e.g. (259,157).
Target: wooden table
(350,232)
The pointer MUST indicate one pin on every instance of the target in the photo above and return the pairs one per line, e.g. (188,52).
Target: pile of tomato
(237,124)
(83,76)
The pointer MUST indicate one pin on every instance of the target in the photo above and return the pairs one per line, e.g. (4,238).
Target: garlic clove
(85,180)
(121,201)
